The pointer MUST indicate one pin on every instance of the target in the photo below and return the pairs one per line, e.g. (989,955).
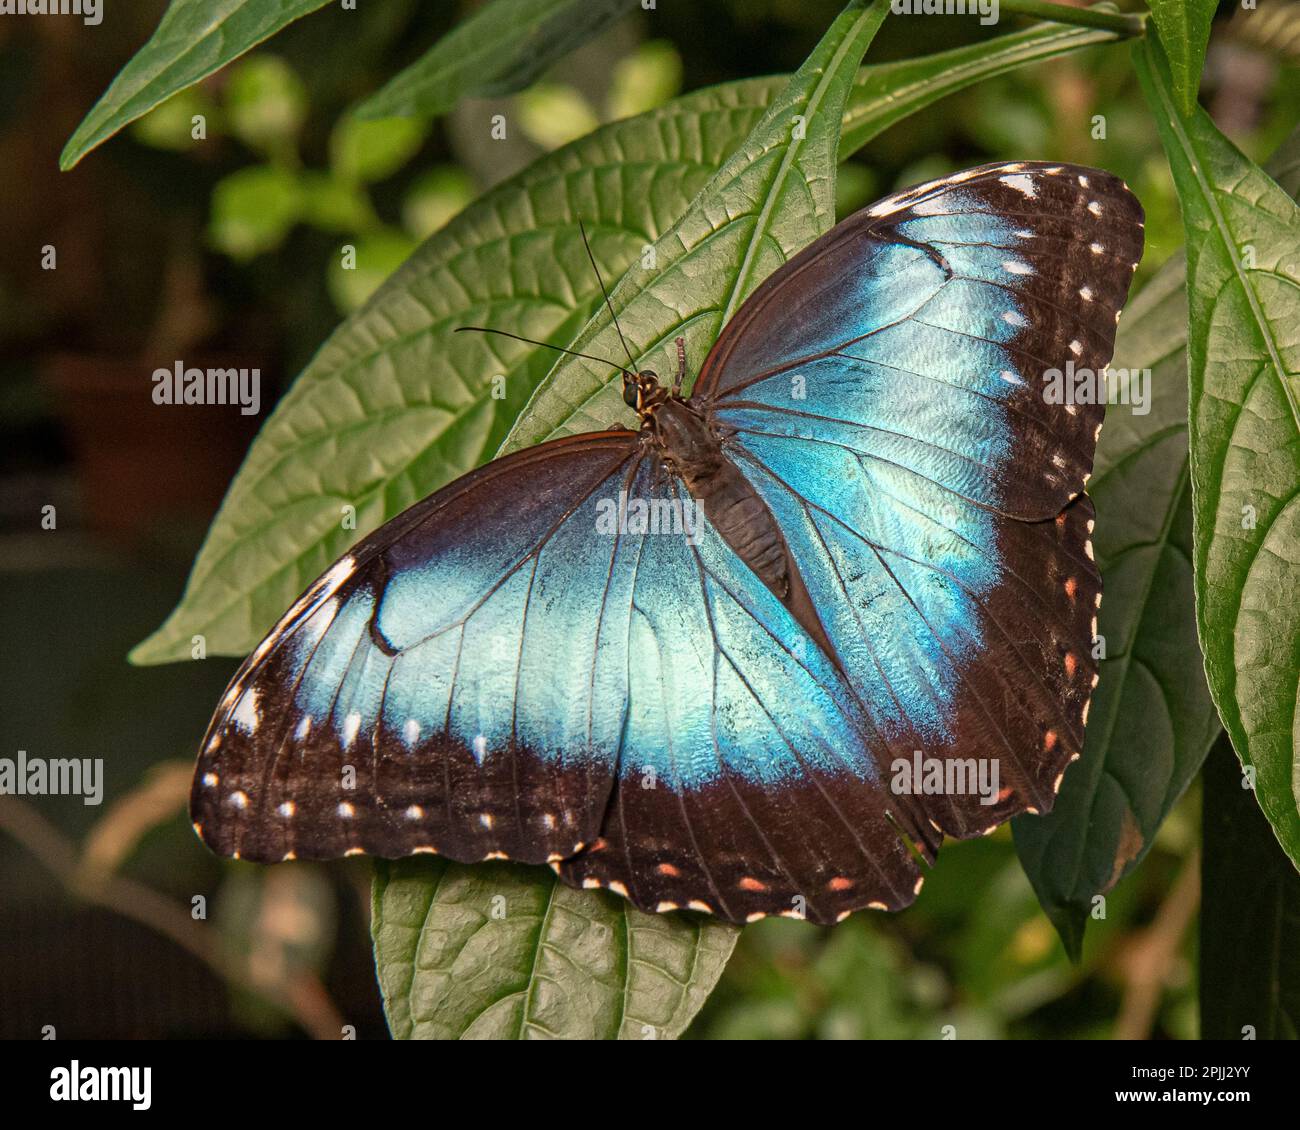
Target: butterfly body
(891,563)
(691,448)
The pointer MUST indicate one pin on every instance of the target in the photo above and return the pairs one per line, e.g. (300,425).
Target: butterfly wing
(453,684)
(509,670)
(885,391)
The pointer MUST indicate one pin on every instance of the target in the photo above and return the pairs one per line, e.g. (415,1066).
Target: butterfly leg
(681,367)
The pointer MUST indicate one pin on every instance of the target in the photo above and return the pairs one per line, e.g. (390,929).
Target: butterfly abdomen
(728,499)
(747,525)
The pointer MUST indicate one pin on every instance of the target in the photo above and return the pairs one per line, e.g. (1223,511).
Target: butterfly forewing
(444,687)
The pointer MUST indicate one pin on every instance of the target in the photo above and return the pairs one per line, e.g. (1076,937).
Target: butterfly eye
(631,393)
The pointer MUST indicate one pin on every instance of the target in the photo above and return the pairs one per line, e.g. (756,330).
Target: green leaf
(368,151)
(170,125)
(253,210)
(498,951)
(335,205)
(884,94)
(553,114)
(434,198)
(193,39)
(1152,720)
(502,48)
(1250,915)
(1184,27)
(1243,264)
(265,103)
(773,196)
(648,77)
(355,274)
(396,404)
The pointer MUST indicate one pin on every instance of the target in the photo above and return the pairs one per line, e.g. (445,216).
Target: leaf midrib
(1229,244)
(830,75)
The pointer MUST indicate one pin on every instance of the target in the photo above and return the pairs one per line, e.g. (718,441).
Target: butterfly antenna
(543,344)
(608,305)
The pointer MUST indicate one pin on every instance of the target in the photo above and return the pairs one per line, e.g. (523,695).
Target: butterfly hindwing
(746,785)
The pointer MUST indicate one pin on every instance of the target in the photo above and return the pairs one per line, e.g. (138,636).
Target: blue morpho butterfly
(688,663)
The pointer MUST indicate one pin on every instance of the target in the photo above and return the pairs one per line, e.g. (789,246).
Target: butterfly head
(642,391)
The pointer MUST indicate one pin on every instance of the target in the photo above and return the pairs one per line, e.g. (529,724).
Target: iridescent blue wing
(549,661)
(454,684)
(890,393)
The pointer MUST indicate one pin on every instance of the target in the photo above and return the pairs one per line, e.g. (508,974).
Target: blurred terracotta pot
(144,466)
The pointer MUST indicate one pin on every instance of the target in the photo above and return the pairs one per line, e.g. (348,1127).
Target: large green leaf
(193,39)
(1250,915)
(1152,719)
(501,48)
(1184,27)
(396,403)
(506,952)
(1243,269)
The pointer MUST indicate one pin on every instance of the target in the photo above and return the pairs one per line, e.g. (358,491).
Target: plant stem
(1101,16)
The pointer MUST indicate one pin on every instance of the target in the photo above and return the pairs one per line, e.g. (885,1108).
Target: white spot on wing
(351,724)
(245,715)
(411,732)
(1022,184)
(1015,267)
(1014,318)
(931,207)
